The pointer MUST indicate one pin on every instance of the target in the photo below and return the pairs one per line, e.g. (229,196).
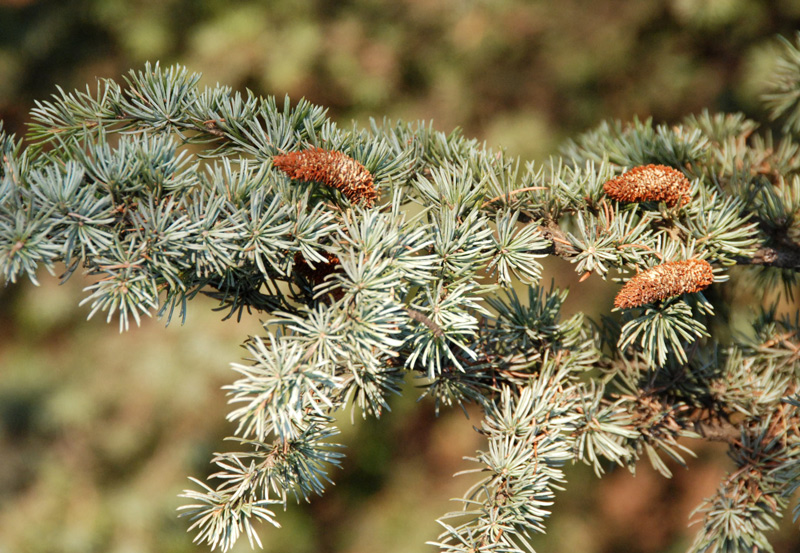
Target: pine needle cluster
(394,249)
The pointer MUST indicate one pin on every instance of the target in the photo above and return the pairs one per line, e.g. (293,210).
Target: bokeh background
(99,430)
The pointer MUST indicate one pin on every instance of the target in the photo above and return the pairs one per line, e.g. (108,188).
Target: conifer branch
(397,249)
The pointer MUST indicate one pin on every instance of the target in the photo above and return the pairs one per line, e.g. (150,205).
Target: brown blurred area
(99,430)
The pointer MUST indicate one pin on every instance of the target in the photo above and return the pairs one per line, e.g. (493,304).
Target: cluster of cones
(647,183)
(658,183)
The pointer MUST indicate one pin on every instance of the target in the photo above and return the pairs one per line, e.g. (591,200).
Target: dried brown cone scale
(331,168)
(665,281)
(317,274)
(650,183)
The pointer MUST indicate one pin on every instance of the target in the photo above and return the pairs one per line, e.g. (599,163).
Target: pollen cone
(650,183)
(330,168)
(665,281)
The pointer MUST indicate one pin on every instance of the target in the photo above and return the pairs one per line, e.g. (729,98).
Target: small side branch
(421,318)
(784,258)
(718,432)
(561,245)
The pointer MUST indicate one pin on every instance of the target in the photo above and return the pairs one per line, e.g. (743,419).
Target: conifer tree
(377,252)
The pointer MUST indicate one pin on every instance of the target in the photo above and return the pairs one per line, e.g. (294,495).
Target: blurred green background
(98,430)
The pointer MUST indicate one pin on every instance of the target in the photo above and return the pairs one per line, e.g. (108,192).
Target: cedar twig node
(331,168)
(650,183)
(665,281)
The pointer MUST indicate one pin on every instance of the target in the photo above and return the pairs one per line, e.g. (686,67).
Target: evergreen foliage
(163,190)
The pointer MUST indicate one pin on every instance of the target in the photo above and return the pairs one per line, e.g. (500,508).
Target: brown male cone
(317,274)
(665,281)
(331,168)
(650,183)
